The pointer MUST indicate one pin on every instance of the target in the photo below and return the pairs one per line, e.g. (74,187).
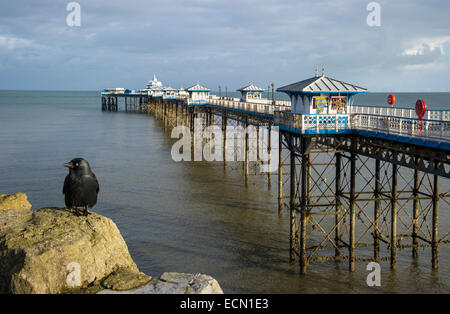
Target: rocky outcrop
(178,283)
(14,201)
(52,250)
(125,279)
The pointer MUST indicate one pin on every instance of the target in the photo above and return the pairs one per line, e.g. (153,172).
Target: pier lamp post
(273,97)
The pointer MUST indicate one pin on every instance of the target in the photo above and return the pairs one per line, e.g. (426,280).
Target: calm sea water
(183,217)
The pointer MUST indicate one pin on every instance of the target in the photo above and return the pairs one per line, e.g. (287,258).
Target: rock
(14,201)
(51,250)
(124,279)
(175,283)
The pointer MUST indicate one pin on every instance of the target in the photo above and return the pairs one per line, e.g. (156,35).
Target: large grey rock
(44,250)
(175,283)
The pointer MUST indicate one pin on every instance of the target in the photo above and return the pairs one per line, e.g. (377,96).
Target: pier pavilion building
(252,93)
(154,87)
(198,93)
(321,95)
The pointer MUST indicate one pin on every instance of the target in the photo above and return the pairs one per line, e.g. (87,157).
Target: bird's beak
(68,165)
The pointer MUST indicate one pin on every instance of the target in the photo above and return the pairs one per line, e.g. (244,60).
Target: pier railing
(308,123)
(409,127)
(247,106)
(442,115)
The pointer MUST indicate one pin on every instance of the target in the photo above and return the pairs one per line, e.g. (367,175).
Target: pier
(359,183)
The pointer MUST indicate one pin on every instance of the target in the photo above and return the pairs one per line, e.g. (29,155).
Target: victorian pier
(359,183)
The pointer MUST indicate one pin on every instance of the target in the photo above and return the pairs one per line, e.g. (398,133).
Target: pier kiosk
(169,92)
(198,94)
(321,95)
(252,93)
(182,93)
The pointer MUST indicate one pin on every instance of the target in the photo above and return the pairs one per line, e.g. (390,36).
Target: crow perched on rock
(80,186)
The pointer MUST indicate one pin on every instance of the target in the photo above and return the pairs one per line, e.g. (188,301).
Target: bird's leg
(85,211)
(75,209)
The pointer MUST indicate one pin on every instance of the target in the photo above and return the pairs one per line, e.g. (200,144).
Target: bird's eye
(76,165)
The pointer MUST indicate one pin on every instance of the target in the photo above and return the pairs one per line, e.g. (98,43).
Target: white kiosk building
(169,92)
(321,95)
(252,93)
(198,93)
(182,93)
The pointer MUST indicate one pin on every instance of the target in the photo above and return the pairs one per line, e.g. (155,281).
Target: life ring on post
(421,108)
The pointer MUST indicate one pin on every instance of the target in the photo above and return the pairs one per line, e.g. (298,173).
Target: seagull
(80,186)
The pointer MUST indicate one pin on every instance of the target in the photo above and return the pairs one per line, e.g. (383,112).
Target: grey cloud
(219,42)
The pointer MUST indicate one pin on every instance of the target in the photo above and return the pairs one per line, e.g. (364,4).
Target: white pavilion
(154,87)
(252,93)
(321,95)
(198,93)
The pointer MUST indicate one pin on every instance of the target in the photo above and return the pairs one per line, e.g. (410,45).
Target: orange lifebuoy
(391,99)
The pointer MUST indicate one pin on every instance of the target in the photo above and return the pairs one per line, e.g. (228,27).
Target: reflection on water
(185,217)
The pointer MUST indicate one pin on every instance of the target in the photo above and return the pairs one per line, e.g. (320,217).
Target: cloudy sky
(226,42)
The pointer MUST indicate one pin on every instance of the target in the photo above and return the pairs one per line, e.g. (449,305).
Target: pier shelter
(169,92)
(321,95)
(182,93)
(252,93)
(198,93)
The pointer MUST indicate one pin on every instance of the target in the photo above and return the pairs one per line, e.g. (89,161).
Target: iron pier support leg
(176,113)
(292,209)
(337,237)
(309,187)
(303,211)
(269,149)
(224,132)
(352,212)
(415,222)
(435,235)
(280,172)
(376,214)
(246,152)
(257,143)
(393,243)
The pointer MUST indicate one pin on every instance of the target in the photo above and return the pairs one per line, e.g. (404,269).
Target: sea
(191,217)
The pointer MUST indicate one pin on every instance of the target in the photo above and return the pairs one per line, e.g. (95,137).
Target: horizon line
(232,91)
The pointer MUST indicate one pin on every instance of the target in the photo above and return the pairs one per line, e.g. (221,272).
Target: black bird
(80,186)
